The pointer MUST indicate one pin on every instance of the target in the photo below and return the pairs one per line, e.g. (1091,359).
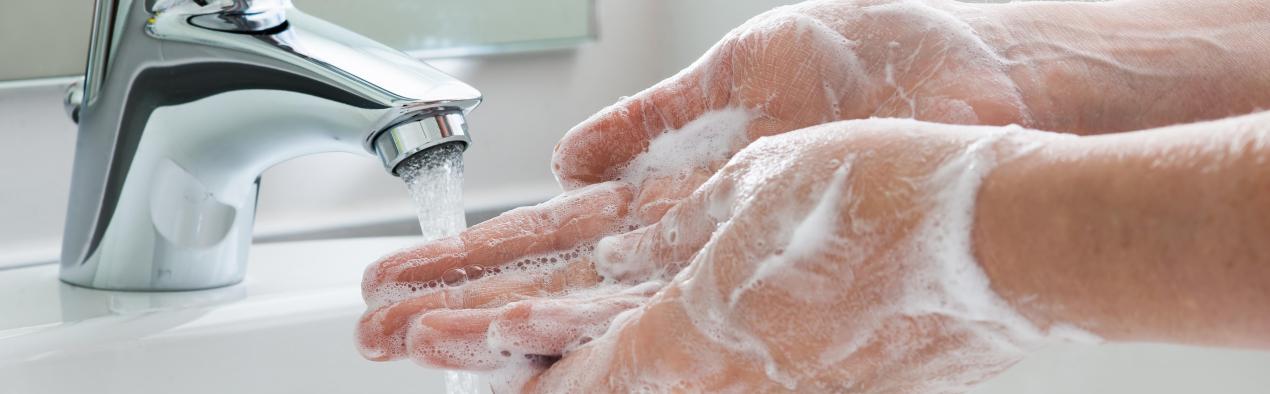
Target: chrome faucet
(185,103)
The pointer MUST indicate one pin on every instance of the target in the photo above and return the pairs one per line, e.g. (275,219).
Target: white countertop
(32,298)
(287,328)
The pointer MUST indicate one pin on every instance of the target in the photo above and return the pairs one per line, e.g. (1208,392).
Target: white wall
(36,144)
(531,100)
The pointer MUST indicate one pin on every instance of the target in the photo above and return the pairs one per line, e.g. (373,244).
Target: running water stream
(434,179)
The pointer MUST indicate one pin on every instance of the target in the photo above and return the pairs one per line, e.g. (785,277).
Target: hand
(835,258)
(803,65)
(790,68)
(787,69)
(464,326)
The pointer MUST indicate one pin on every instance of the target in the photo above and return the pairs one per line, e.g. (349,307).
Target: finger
(381,331)
(454,339)
(660,249)
(556,326)
(595,149)
(559,224)
(647,342)
(485,339)
(657,195)
(582,371)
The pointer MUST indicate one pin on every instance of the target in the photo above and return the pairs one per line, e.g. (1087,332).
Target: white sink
(1135,368)
(289,329)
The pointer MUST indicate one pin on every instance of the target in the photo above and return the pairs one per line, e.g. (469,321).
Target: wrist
(1091,68)
(1014,230)
(1137,236)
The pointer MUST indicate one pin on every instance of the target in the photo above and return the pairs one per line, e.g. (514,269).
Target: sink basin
(288,328)
(1135,368)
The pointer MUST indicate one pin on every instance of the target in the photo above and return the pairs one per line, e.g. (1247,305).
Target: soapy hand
(831,259)
(799,66)
(627,166)
(834,258)
(790,68)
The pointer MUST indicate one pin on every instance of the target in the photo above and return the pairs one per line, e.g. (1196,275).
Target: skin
(867,269)
(1144,236)
(1086,68)
(1073,234)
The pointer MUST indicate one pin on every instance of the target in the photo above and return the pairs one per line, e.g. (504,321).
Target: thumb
(595,150)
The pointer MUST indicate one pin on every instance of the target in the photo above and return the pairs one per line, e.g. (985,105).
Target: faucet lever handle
(243,16)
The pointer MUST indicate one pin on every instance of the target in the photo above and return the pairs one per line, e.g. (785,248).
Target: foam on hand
(813,246)
(813,242)
(810,252)
(704,143)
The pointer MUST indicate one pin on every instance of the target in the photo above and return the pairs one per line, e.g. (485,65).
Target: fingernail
(454,277)
(474,272)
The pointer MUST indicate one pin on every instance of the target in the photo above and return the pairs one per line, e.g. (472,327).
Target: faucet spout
(186,102)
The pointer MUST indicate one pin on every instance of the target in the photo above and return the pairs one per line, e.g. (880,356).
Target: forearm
(1161,235)
(1093,68)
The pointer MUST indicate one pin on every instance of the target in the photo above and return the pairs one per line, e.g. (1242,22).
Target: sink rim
(34,300)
